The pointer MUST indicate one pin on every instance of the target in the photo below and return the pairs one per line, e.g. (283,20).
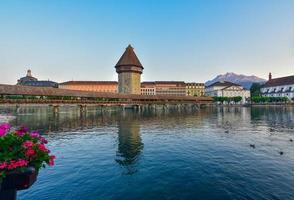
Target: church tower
(129,71)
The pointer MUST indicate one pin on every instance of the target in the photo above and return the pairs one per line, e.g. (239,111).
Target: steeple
(270,76)
(129,58)
(29,73)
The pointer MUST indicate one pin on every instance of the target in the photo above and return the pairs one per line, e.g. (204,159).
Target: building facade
(94,86)
(171,88)
(129,70)
(29,80)
(278,87)
(195,89)
(227,89)
(148,88)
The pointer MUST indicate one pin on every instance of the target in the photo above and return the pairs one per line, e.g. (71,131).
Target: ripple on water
(168,155)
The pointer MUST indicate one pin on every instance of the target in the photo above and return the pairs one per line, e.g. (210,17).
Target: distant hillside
(245,81)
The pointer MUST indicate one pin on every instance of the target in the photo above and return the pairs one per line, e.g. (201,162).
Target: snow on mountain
(245,81)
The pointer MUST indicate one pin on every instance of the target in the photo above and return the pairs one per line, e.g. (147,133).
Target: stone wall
(129,83)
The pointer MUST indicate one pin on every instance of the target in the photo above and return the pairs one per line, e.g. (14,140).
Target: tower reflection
(130,143)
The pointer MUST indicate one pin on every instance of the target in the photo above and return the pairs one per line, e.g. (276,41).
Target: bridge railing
(50,101)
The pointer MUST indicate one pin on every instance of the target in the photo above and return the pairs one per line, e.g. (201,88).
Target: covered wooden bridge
(27,95)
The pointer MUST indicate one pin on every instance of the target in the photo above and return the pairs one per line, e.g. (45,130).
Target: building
(148,88)
(195,89)
(129,70)
(278,87)
(94,86)
(227,89)
(171,88)
(29,80)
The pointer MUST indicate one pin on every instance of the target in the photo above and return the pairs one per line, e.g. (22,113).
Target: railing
(131,102)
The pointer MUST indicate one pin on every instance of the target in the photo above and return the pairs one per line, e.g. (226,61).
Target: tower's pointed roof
(129,58)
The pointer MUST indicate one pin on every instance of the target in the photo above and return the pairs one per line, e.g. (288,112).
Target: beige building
(148,88)
(171,88)
(195,89)
(94,86)
(129,70)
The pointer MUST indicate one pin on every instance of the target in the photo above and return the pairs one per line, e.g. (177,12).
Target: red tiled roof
(129,58)
(288,80)
(178,83)
(148,83)
(89,82)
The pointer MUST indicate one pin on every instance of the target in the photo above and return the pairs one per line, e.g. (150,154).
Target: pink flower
(30,153)
(34,134)
(2,132)
(28,144)
(51,160)
(21,130)
(3,165)
(43,148)
(43,140)
(4,128)
(13,164)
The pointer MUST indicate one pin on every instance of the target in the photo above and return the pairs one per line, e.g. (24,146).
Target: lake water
(204,154)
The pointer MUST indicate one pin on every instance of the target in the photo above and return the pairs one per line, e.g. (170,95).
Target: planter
(17,181)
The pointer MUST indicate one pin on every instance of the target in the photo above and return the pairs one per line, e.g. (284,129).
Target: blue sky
(186,40)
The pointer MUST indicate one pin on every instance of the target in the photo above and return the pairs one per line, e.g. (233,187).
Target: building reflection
(130,144)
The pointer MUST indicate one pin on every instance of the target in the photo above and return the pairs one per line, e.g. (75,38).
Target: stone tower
(129,71)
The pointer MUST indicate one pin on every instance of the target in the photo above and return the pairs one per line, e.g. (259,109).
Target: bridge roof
(43,91)
(89,82)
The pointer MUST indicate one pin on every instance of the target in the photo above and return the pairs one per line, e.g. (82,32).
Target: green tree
(237,99)
(255,89)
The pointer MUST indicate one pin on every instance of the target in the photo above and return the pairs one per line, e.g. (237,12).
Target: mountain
(245,81)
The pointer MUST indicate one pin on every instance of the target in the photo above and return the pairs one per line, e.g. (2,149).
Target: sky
(185,40)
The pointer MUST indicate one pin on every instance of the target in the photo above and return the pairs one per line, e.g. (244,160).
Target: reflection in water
(129,142)
(206,154)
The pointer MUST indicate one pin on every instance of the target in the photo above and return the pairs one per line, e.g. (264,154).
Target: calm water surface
(203,154)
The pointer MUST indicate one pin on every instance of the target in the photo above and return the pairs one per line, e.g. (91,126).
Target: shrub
(20,149)
(258,99)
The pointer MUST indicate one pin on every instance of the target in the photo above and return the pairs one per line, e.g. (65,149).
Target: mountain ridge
(241,79)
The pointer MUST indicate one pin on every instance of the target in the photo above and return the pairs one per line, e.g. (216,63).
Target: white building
(227,89)
(278,87)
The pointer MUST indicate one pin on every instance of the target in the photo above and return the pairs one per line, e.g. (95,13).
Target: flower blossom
(21,130)
(30,153)
(43,148)
(4,128)
(3,165)
(43,140)
(51,160)
(28,144)
(34,134)
(13,164)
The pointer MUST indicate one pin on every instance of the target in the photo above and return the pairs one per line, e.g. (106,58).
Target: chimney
(270,76)
(29,73)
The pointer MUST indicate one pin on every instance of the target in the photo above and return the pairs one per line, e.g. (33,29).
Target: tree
(237,99)
(255,89)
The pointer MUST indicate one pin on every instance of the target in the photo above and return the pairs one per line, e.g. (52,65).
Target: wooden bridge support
(55,109)
(17,109)
(83,108)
